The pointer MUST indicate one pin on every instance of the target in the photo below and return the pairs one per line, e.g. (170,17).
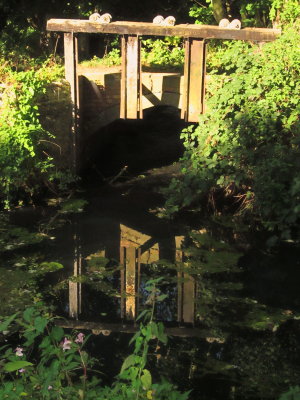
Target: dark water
(240,298)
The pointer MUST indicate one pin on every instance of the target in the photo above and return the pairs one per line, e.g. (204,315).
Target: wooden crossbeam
(145,28)
(98,328)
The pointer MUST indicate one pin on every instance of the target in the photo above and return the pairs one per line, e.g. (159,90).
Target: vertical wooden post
(75,287)
(186,79)
(123,78)
(130,278)
(130,78)
(71,63)
(194,79)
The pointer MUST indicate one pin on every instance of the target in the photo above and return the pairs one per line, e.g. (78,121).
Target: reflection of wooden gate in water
(131,81)
(136,249)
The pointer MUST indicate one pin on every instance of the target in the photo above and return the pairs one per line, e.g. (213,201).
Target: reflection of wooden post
(123,266)
(131,78)
(130,277)
(194,80)
(186,289)
(128,282)
(75,287)
(71,62)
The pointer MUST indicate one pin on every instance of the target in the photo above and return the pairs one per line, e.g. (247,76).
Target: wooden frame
(131,83)
(147,28)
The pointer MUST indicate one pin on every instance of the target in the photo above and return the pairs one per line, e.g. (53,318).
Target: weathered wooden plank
(123,79)
(71,65)
(144,28)
(194,79)
(186,77)
(132,77)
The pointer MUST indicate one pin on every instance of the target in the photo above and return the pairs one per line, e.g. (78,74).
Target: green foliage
(24,163)
(287,12)
(257,13)
(247,144)
(163,53)
(292,394)
(160,53)
(110,59)
(202,13)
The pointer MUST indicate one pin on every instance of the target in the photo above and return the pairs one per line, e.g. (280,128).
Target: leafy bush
(247,144)
(163,53)
(23,163)
(159,53)
(110,59)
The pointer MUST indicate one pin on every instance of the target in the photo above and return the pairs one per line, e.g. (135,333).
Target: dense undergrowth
(25,163)
(49,363)
(246,146)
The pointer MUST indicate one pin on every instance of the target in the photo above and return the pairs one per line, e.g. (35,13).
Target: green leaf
(146,379)
(128,362)
(50,266)
(134,337)
(5,324)
(161,297)
(28,314)
(15,365)
(40,324)
(161,336)
(57,333)
(145,312)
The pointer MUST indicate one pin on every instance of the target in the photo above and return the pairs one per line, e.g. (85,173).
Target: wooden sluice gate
(131,105)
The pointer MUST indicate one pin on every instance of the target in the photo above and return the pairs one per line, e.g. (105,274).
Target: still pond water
(233,304)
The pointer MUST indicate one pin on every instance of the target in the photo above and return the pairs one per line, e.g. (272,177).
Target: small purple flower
(22,370)
(80,338)
(66,344)
(50,387)
(19,352)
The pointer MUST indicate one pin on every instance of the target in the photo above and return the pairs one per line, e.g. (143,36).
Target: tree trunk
(219,9)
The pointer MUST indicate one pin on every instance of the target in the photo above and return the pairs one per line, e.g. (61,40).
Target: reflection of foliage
(22,267)
(73,206)
(268,364)
(292,394)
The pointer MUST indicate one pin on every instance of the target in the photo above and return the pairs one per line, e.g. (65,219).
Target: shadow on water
(232,309)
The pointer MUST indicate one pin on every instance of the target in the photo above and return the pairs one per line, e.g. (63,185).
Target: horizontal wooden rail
(145,28)
(106,328)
